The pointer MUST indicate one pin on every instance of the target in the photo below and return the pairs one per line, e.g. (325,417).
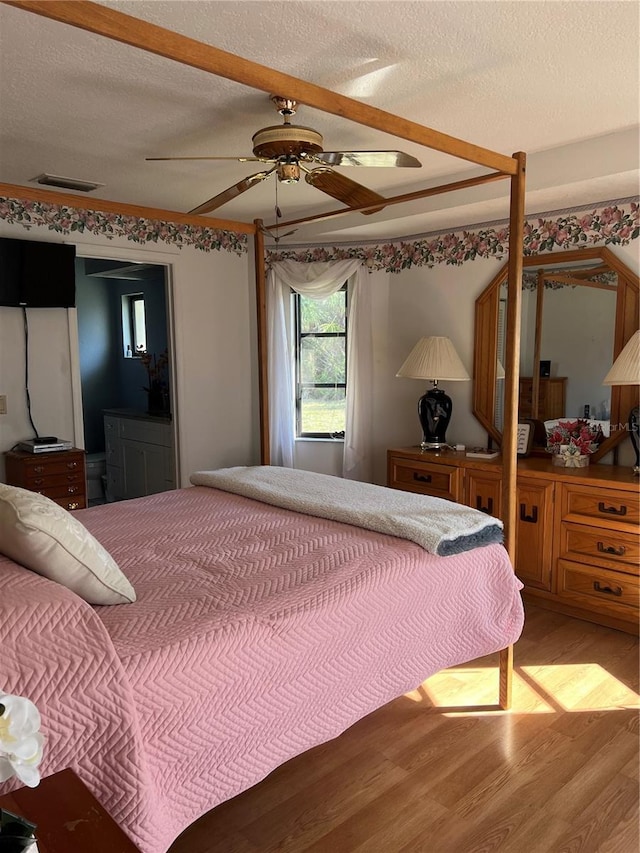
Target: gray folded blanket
(439,526)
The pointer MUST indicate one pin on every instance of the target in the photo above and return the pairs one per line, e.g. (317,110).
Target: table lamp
(626,371)
(434,358)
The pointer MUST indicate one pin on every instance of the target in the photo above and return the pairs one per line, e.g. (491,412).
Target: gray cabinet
(139,454)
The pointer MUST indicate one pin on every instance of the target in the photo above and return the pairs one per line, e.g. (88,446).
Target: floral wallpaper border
(67,220)
(611,224)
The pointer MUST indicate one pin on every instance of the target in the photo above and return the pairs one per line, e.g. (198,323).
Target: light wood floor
(433,773)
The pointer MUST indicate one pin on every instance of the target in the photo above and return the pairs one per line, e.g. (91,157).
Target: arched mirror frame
(623,398)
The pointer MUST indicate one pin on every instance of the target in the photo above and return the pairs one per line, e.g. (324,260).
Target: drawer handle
(73,505)
(39,481)
(39,469)
(488,509)
(611,510)
(611,549)
(533,518)
(72,490)
(72,464)
(422,478)
(607,589)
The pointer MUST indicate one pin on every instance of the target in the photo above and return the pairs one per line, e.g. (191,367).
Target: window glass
(134,325)
(321,365)
(139,324)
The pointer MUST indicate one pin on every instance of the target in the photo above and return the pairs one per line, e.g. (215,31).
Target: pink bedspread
(257,634)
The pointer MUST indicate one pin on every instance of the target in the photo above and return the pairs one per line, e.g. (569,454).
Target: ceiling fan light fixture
(289,173)
(288,140)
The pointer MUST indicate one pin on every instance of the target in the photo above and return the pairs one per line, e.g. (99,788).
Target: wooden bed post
(263,375)
(512,370)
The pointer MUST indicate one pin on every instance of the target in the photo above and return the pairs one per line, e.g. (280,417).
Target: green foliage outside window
(321,369)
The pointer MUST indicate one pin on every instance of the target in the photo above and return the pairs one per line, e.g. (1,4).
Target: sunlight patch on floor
(583,687)
(536,690)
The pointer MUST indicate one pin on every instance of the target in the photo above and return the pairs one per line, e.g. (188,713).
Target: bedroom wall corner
(214,353)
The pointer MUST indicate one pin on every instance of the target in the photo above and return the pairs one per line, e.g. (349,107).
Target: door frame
(134,256)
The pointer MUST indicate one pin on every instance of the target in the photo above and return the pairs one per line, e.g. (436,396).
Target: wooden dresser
(577,538)
(552,396)
(60,476)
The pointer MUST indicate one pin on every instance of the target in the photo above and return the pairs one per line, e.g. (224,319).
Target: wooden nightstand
(68,816)
(60,476)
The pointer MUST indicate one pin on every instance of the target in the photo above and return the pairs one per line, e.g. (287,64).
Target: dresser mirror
(578,311)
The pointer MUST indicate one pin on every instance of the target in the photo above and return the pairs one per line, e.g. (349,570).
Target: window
(134,327)
(321,365)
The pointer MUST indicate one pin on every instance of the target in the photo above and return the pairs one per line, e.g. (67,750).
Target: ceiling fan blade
(232,192)
(237,159)
(344,189)
(367,158)
(277,237)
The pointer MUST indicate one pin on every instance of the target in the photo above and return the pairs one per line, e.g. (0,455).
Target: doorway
(125,351)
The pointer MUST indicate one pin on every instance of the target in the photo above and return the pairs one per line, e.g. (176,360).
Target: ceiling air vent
(65,183)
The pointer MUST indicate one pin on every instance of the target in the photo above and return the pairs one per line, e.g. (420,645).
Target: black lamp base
(434,411)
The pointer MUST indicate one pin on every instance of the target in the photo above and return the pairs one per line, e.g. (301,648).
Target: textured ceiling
(557,80)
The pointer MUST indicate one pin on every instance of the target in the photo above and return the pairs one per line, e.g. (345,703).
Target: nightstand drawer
(587,585)
(63,463)
(38,482)
(606,506)
(442,481)
(61,491)
(600,546)
(71,503)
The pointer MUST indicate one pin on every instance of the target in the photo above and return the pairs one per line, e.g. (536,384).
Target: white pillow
(44,537)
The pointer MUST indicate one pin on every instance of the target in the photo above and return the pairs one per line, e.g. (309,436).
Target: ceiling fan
(291,149)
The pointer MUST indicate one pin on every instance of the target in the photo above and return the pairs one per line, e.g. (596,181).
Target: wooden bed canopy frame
(140,34)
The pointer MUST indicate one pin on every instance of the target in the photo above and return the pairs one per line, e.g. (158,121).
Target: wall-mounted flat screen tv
(37,275)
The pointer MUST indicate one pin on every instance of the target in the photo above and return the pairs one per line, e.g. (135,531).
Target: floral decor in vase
(572,442)
(157,389)
(21,747)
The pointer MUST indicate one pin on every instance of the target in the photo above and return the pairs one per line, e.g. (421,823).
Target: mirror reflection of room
(567,343)
(578,311)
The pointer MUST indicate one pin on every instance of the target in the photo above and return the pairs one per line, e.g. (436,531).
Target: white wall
(215,353)
(406,306)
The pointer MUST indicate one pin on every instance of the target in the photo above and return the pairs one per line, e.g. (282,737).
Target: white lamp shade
(626,368)
(433,358)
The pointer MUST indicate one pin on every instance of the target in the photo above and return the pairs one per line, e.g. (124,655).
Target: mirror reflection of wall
(577,337)
(575,323)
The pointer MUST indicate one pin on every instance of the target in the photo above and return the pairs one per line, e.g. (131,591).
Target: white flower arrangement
(21,743)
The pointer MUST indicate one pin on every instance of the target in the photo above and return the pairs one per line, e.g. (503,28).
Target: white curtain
(318,281)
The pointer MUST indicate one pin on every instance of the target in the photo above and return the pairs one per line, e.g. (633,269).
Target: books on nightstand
(482,453)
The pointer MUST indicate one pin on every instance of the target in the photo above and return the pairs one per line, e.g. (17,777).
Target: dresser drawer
(62,463)
(61,491)
(604,589)
(38,482)
(484,492)
(426,478)
(605,506)
(601,546)
(71,503)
